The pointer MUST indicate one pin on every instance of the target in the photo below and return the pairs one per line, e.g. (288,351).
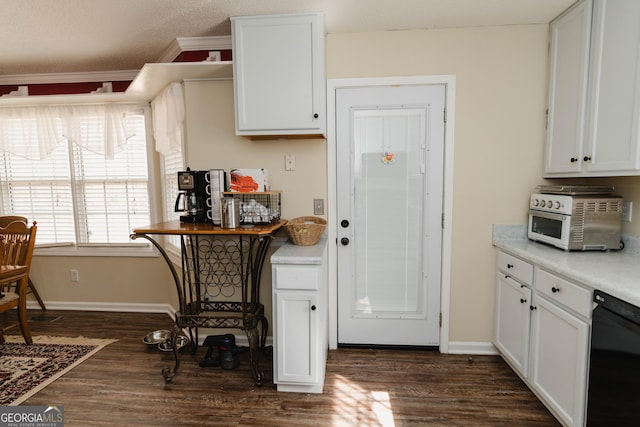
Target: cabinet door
(278,70)
(296,339)
(512,322)
(615,87)
(569,56)
(559,349)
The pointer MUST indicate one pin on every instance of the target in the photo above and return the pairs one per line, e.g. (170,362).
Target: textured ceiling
(59,36)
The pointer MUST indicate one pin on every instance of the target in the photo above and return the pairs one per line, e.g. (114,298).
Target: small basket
(305,230)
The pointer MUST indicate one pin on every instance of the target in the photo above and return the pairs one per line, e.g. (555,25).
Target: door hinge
(442,220)
(440,320)
(445,114)
(546,119)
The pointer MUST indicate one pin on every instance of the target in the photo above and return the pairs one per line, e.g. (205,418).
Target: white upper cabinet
(569,56)
(594,99)
(278,69)
(614,100)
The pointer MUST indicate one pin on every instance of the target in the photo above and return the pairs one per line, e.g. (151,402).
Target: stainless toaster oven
(576,220)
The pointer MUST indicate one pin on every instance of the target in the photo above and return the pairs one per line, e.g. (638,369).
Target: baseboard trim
(472,347)
(241,338)
(104,306)
(455,347)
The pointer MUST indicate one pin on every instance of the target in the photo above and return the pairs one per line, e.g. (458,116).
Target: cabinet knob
(522,300)
(344,241)
(313,308)
(586,158)
(573,159)
(509,265)
(315,116)
(555,290)
(532,308)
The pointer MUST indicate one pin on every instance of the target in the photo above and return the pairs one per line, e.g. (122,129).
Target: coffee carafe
(192,199)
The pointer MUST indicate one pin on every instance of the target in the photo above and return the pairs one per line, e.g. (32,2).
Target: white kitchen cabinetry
(560,345)
(513,298)
(278,71)
(568,64)
(596,134)
(546,341)
(300,317)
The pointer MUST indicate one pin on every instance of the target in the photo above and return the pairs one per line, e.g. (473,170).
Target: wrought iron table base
(243,263)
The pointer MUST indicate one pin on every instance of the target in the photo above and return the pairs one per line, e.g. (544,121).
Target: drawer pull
(522,300)
(509,265)
(555,290)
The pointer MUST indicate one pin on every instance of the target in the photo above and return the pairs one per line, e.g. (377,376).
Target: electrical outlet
(318,206)
(627,208)
(75,276)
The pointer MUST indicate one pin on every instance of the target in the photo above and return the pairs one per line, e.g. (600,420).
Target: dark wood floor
(122,385)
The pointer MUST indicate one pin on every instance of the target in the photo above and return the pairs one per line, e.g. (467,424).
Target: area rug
(27,369)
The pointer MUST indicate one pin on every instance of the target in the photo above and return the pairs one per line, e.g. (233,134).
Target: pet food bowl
(181,341)
(156,337)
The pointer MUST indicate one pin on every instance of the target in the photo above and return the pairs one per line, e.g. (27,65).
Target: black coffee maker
(192,199)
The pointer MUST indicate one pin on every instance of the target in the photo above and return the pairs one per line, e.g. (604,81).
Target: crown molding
(184,44)
(146,85)
(51,78)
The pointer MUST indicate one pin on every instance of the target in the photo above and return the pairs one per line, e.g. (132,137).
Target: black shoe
(228,359)
(210,360)
(226,340)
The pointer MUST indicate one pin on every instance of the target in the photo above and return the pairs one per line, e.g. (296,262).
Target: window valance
(34,132)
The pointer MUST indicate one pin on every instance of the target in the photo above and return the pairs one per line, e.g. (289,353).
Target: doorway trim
(449,81)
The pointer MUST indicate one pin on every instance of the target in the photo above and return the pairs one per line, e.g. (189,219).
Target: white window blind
(172,163)
(78,196)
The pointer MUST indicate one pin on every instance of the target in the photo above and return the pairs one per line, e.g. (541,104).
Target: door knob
(344,223)
(344,241)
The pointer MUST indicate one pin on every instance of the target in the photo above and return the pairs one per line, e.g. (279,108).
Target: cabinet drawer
(296,277)
(567,293)
(515,267)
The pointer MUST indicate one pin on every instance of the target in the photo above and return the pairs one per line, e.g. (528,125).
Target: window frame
(134,248)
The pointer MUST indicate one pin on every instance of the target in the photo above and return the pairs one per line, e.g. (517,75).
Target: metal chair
(4,221)
(17,241)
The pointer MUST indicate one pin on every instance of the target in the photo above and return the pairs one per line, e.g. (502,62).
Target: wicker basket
(305,230)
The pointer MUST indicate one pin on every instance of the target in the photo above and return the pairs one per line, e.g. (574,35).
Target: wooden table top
(177,227)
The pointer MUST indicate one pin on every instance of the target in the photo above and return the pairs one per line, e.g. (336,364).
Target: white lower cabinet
(512,322)
(300,311)
(542,330)
(558,360)
(296,323)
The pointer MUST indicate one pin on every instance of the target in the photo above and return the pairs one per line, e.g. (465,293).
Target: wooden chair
(4,221)
(17,241)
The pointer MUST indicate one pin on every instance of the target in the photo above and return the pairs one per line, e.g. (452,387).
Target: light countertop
(289,253)
(614,272)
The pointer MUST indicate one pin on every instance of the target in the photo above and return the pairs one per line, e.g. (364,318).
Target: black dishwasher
(614,368)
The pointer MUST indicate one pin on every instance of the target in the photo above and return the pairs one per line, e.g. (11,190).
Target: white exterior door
(390,161)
